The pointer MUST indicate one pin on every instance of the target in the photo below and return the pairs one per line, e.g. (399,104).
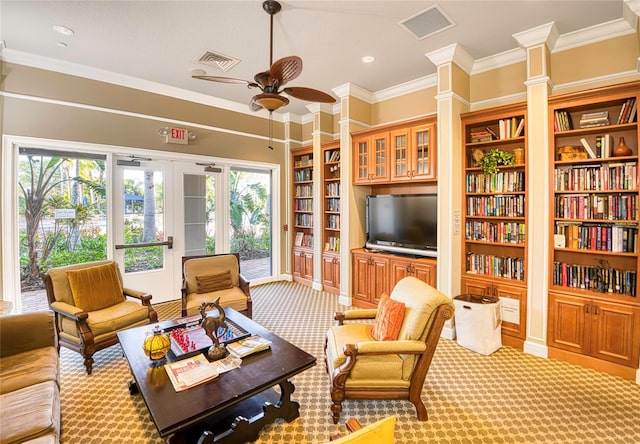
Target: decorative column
(322,132)
(292,136)
(454,65)
(538,43)
(355,114)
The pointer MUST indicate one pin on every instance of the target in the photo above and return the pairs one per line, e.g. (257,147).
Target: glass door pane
(199,214)
(143,218)
(250,220)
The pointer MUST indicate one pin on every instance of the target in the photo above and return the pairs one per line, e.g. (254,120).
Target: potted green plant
(490,161)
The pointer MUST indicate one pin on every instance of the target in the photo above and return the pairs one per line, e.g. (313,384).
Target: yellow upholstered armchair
(362,367)
(208,277)
(91,306)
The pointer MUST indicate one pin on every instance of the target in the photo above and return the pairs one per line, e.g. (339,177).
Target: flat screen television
(403,223)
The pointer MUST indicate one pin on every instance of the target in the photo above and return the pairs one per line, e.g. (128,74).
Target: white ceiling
(157,41)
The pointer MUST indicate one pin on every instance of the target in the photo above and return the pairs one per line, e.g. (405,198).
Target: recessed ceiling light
(368,59)
(64,30)
(62,44)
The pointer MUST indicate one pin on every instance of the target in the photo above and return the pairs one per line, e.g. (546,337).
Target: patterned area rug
(507,397)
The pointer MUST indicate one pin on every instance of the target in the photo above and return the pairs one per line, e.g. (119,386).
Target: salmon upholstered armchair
(91,306)
(361,366)
(208,277)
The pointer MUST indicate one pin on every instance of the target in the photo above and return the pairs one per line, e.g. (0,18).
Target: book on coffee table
(190,372)
(248,346)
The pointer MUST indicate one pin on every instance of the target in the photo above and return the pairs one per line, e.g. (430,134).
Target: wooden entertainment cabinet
(375,273)
(392,159)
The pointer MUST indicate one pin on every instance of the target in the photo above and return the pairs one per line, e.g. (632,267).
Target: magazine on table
(248,346)
(190,372)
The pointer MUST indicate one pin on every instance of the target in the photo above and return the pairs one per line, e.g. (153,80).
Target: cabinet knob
(595,310)
(586,309)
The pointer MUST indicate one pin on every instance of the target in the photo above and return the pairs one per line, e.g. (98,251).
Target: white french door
(144,226)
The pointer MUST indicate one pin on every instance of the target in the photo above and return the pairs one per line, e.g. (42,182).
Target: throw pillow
(214,282)
(95,288)
(388,319)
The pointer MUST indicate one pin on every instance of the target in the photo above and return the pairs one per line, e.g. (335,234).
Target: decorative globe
(156,344)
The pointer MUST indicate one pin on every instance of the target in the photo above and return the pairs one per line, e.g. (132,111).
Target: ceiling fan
(272,81)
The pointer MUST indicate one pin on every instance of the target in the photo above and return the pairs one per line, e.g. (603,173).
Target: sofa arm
(27,331)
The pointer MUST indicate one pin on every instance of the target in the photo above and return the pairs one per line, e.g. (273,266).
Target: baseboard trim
(345,300)
(448,333)
(535,349)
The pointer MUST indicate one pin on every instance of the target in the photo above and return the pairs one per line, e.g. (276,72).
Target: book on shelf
(299,236)
(248,346)
(519,129)
(562,121)
(627,111)
(588,148)
(190,372)
(598,118)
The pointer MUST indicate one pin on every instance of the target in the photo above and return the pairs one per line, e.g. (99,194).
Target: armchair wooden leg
(88,363)
(421,410)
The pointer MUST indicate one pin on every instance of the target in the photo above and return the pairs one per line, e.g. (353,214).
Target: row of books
(332,189)
(597,207)
(332,156)
(303,161)
(303,175)
(304,191)
(606,177)
(628,111)
(303,239)
(333,244)
(603,146)
(503,232)
(502,182)
(597,237)
(597,279)
(490,265)
(333,221)
(507,129)
(304,220)
(303,205)
(504,205)
(333,204)
(596,118)
(562,121)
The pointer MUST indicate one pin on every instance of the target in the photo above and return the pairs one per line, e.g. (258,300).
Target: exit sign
(178,135)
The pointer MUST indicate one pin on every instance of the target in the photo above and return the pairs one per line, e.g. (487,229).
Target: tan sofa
(29,379)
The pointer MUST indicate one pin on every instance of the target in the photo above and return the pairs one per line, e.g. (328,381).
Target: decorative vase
(518,154)
(622,149)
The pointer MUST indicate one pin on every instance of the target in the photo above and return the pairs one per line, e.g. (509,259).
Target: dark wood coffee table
(233,407)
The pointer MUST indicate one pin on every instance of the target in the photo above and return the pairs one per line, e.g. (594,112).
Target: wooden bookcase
(494,215)
(594,312)
(302,220)
(331,207)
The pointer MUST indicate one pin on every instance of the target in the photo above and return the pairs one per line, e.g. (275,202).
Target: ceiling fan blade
(285,70)
(223,79)
(309,94)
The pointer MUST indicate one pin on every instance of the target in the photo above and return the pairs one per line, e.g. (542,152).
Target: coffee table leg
(243,429)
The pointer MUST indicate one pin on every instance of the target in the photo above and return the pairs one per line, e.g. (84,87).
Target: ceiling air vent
(216,60)
(428,22)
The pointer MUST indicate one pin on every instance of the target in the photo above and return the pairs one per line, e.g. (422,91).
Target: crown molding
(320,107)
(74,69)
(402,89)
(353,90)
(594,34)
(544,34)
(453,53)
(506,58)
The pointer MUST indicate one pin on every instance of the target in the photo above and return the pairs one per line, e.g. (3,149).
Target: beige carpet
(508,397)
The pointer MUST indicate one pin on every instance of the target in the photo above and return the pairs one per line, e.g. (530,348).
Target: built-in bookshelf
(593,306)
(494,214)
(331,211)
(302,221)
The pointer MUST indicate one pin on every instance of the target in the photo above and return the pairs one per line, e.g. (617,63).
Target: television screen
(403,223)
